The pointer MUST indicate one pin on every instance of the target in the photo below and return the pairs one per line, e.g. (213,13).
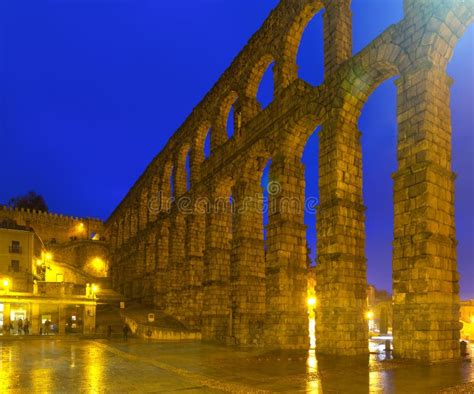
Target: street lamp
(6,285)
(370,317)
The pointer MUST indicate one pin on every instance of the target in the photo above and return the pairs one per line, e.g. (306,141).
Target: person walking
(47,327)
(26,327)
(20,327)
(109,331)
(126,330)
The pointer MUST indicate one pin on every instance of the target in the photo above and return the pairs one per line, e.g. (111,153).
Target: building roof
(10,224)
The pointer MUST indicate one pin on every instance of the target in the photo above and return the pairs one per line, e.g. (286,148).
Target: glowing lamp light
(48,256)
(6,282)
(39,262)
(369,315)
(98,264)
(312,301)
(95,288)
(472,319)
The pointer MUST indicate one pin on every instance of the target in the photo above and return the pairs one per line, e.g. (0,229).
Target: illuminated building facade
(47,283)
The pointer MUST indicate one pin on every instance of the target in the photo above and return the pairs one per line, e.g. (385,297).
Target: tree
(31,200)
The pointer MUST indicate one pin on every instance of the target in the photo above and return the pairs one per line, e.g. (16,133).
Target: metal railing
(14,249)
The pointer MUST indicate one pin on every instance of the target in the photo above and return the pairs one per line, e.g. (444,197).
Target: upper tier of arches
(297,107)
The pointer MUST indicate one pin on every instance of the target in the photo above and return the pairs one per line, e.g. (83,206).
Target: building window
(15,247)
(15,266)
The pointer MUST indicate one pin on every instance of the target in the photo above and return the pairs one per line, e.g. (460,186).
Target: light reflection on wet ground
(138,366)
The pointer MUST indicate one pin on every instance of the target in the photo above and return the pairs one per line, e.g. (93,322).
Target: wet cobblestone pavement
(87,366)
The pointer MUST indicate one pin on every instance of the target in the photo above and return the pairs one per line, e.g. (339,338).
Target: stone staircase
(109,313)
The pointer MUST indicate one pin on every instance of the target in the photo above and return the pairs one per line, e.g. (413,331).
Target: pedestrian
(47,327)
(109,331)
(10,328)
(463,345)
(26,327)
(20,327)
(126,330)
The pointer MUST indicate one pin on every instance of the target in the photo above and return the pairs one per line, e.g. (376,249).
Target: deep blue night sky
(91,90)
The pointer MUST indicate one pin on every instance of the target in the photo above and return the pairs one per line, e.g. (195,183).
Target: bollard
(387,346)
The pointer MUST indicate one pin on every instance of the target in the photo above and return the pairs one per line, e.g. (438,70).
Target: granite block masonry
(192,242)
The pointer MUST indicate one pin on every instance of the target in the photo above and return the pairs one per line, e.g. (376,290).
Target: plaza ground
(95,366)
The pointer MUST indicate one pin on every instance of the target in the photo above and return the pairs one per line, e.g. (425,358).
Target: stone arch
(166,188)
(288,70)
(198,148)
(297,131)
(180,177)
(231,100)
(254,163)
(256,75)
(154,196)
(365,73)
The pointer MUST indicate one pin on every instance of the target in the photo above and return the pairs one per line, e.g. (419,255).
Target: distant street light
(94,289)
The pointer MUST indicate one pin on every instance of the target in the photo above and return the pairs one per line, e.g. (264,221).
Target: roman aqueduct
(193,244)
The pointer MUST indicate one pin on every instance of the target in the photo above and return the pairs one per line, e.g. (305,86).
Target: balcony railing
(14,249)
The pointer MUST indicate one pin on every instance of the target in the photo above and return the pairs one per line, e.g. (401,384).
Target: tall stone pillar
(150,265)
(337,34)
(216,303)
(174,303)
(286,321)
(161,262)
(120,233)
(154,199)
(139,268)
(247,273)
(341,291)
(126,227)
(194,268)
(143,210)
(425,279)
(150,257)
(134,219)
